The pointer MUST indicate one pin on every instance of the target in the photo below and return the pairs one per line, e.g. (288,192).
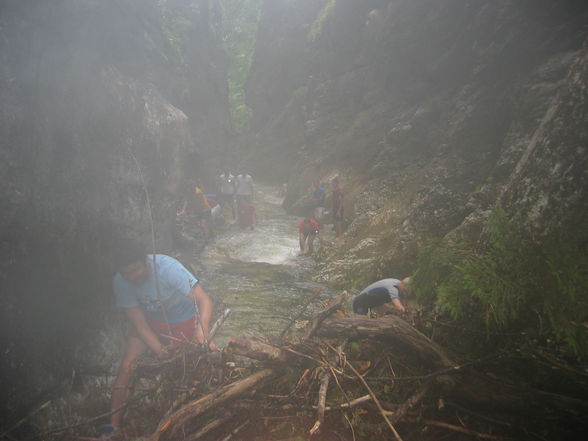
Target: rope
(152,225)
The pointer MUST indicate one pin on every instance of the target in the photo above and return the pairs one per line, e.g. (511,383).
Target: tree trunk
(391,329)
(171,428)
(463,385)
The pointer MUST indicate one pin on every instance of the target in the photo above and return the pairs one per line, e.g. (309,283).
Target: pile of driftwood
(337,378)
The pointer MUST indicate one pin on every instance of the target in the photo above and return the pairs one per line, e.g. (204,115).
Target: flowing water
(258,273)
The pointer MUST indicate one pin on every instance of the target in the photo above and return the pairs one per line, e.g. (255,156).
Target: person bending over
(197,205)
(379,294)
(308,231)
(159,297)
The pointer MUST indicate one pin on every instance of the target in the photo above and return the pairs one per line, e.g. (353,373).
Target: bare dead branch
(304,307)
(170,427)
(322,398)
(375,398)
(321,316)
(455,428)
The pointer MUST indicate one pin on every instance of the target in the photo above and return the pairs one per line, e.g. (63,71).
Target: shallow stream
(258,273)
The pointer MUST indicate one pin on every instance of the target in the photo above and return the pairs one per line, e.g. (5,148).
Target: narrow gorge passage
(456,130)
(259,273)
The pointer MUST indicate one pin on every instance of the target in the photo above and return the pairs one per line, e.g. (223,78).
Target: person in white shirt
(226,196)
(244,188)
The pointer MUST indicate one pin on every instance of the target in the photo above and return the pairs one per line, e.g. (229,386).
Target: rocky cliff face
(431,112)
(98,111)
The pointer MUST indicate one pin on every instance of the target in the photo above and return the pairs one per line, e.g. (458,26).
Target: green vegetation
(516,282)
(177,29)
(240,20)
(317,27)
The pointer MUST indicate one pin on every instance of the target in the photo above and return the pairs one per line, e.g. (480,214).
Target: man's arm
(205,310)
(137,318)
(396,302)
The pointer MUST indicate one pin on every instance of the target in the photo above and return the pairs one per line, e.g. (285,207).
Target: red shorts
(181,330)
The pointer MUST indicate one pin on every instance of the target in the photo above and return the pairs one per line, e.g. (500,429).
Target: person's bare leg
(121,389)
(311,238)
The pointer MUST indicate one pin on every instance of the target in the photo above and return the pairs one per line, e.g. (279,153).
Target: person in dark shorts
(379,294)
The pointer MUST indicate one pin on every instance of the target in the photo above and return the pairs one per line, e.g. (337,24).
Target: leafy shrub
(515,281)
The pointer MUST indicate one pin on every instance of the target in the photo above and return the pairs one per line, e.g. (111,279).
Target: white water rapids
(259,274)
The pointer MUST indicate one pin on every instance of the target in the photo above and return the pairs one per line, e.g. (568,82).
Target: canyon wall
(106,108)
(431,113)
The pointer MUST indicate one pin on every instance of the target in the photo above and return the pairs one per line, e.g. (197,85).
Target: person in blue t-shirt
(380,293)
(161,299)
(319,199)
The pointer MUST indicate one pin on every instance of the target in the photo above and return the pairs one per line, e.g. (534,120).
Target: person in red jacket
(308,231)
(246,215)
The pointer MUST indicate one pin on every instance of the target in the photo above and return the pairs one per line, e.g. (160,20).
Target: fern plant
(537,286)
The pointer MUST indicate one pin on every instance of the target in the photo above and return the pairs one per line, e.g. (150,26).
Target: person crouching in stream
(380,294)
(308,231)
(159,297)
(197,206)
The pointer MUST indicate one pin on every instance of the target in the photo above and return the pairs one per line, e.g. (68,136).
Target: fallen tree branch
(235,431)
(389,328)
(551,362)
(293,320)
(255,349)
(218,324)
(445,371)
(193,350)
(171,427)
(317,320)
(208,428)
(25,418)
(352,403)
(477,414)
(322,398)
(455,428)
(403,409)
(373,395)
